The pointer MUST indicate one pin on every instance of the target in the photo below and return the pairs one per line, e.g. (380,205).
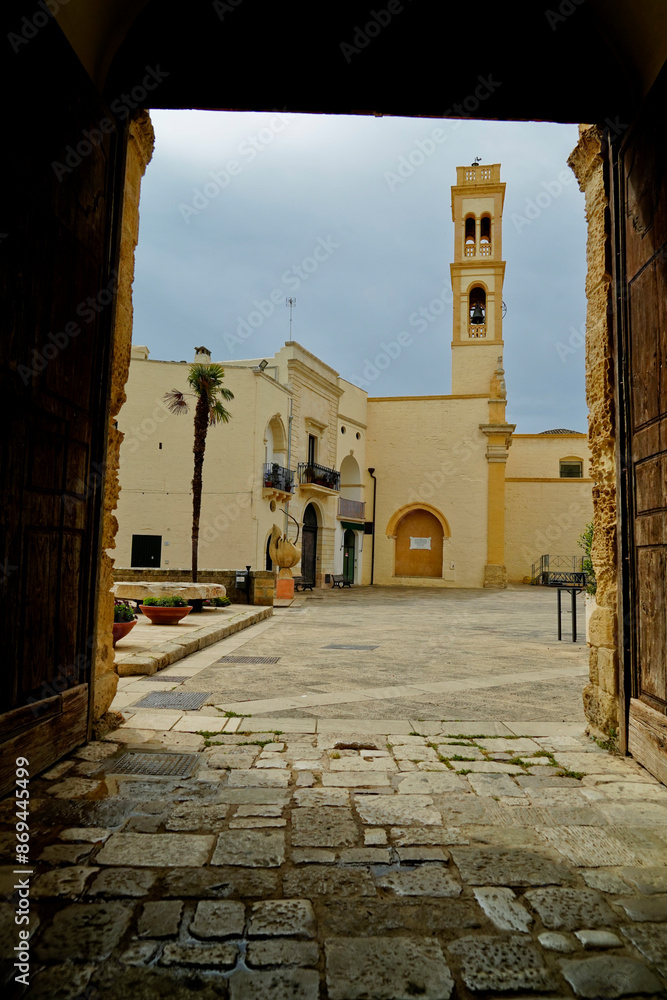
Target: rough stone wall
(601,694)
(140,150)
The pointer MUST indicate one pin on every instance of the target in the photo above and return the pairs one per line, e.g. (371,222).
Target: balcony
(278,482)
(311,475)
(354,510)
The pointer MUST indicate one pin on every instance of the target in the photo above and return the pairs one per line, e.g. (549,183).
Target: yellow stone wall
(430,450)
(601,694)
(546,515)
(139,152)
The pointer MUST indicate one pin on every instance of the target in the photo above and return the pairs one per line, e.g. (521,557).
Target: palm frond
(217,414)
(176,402)
(205,379)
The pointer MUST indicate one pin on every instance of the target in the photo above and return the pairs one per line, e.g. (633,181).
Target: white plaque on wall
(420,543)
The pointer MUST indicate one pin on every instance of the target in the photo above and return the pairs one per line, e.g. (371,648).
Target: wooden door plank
(647,738)
(49,740)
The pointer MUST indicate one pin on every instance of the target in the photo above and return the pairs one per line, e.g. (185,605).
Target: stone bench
(194,593)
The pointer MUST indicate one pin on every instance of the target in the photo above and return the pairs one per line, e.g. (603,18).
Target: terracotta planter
(121,629)
(165,616)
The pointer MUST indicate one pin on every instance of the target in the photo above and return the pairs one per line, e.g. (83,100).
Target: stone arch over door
(419,531)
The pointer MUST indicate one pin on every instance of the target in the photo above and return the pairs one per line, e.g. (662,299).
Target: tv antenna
(291,302)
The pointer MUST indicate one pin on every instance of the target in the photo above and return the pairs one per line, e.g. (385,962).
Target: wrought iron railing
(548,569)
(351,508)
(277,478)
(318,475)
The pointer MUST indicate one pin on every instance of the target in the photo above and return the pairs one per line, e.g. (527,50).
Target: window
(470,236)
(485,236)
(477,306)
(571,468)
(146,551)
(312,449)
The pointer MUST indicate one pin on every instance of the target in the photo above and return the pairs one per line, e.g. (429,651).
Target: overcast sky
(351,215)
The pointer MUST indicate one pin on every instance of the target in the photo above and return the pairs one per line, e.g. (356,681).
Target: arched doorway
(348,556)
(309,544)
(419,538)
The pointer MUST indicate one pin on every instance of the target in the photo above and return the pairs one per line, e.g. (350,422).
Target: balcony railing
(477,331)
(318,475)
(351,508)
(554,570)
(277,478)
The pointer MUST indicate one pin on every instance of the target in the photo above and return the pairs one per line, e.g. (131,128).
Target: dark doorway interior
(146,551)
(348,556)
(309,545)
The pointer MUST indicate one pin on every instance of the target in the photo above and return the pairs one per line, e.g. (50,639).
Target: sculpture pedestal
(285,588)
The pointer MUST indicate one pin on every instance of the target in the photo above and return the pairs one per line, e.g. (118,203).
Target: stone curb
(167,653)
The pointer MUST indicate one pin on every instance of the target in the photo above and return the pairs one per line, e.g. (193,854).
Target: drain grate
(340,645)
(188,701)
(179,765)
(173,679)
(248,659)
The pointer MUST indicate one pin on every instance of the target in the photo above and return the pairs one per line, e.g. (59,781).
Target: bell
(477,315)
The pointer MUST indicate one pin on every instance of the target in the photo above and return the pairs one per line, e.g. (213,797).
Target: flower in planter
(218,602)
(122,613)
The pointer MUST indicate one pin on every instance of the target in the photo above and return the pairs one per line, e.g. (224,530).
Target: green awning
(352,525)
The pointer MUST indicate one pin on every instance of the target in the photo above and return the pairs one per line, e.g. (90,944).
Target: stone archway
(419,544)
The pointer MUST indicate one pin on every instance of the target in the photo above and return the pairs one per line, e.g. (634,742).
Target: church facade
(414,490)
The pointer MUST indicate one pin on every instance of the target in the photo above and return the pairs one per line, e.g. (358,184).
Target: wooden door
(58,264)
(348,556)
(309,545)
(419,542)
(639,210)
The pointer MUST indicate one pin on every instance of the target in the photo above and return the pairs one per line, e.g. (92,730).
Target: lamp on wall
(262,365)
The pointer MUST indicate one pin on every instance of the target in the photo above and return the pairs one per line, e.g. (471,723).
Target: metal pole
(371,474)
(289,459)
(574,615)
(559,627)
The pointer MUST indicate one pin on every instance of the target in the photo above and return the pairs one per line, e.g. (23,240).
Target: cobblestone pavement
(340,858)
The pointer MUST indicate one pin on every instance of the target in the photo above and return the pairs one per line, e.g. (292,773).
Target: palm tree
(206,384)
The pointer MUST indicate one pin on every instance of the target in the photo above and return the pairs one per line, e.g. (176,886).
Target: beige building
(418,490)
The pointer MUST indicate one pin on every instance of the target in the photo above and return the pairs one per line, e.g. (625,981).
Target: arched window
(477,306)
(470,236)
(571,467)
(485,236)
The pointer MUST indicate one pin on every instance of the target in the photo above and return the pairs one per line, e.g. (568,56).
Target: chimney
(202,356)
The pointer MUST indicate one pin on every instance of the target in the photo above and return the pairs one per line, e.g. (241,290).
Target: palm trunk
(201,426)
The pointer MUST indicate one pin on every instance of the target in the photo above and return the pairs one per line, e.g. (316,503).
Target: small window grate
(248,659)
(187,701)
(178,765)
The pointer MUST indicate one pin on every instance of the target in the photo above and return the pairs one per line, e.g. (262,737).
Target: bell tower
(477,277)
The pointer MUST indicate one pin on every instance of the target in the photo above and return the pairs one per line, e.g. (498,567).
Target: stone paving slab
(454,882)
